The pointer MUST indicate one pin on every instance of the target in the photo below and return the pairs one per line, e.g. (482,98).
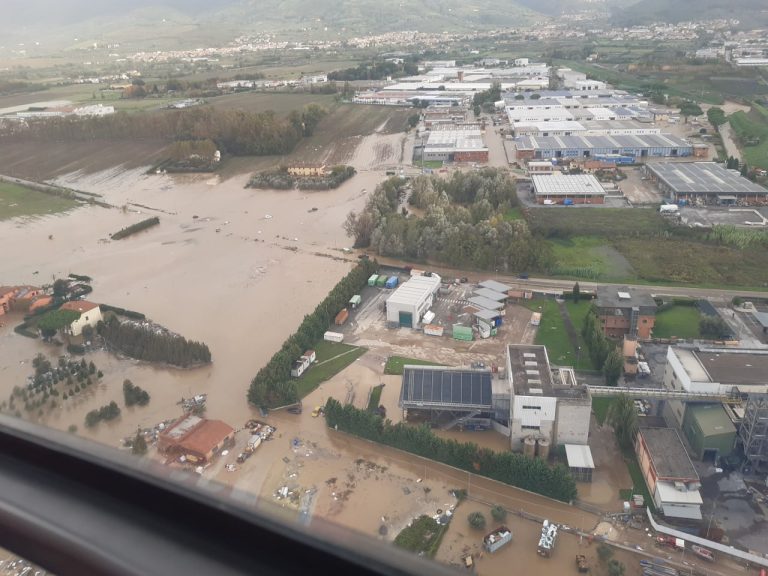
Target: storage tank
(543,448)
(529,446)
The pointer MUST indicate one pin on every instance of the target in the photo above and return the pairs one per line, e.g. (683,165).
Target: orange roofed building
(198,439)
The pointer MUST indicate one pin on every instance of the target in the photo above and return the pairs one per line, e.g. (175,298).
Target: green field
(589,258)
(279,102)
(16,201)
(395,364)
(677,321)
(752,126)
(373,401)
(332,358)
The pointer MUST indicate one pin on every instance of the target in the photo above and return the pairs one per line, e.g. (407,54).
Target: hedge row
(134,228)
(273,385)
(517,470)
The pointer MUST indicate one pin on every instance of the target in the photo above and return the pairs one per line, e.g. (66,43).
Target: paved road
(726,133)
(555,285)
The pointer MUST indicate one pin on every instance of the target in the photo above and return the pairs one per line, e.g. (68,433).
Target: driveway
(726,133)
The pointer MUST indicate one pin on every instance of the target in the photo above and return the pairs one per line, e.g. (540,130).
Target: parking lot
(708,217)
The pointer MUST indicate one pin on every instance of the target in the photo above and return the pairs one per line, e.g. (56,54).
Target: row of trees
(134,228)
(463,225)
(273,386)
(280,179)
(236,132)
(375,71)
(508,467)
(602,351)
(152,343)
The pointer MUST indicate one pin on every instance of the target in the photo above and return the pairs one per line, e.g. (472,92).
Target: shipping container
(391,282)
(355,301)
(372,279)
(381,281)
(333,336)
(462,332)
(428,317)
(498,538)
(341,317)
(433,330)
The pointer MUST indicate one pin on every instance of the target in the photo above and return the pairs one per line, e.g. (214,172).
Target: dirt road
(726,133)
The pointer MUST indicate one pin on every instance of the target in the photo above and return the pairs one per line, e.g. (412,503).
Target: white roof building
(408,304)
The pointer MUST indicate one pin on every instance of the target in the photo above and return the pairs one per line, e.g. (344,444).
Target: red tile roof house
(6,296)
(198,439)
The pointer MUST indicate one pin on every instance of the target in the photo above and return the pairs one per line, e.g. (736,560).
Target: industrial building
(408,304)
(609,127)
(704,182)
(624,311)
(709,430)
(638,147)
(567,189)
(546,403)
(753,432)
(459,395)
(456,145)
(669,473)
(713,371)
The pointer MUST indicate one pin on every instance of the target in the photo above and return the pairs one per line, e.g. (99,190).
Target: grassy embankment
(18,201)
(752,127)
(639,246)
(332,358)
(395,364)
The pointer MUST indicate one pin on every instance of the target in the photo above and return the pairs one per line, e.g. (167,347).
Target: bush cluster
(107,412)
(134,395)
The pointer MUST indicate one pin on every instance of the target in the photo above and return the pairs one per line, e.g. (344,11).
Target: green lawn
(332,358)
(600,406)
(18,201)
(423,536)
(513,214)
(434,164)
(552,333)
(638,482)
(373,401)
(578,312)
(677,321)
(395,364)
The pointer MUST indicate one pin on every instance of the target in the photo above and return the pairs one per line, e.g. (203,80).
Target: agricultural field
(589,258)
(677,322)
(18,201)
(279,102)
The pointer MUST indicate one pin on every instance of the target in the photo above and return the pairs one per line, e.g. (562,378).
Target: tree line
(511,468)
(602,351)
(107,412)
(236,132)
(134,394)
(280,179)
(273,385)
(463,224)
(375,71)
(152,343)
(134,228)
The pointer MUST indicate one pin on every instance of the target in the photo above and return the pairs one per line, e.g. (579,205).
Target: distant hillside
(753,12)
(124,20)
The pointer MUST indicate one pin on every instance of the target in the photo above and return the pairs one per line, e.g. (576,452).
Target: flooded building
(197,439)
(669,473)
(625,312)
(639,147)
(546,402)
(90,315)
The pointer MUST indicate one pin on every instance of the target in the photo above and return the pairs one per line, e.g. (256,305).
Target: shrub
(498,513)
(476,520)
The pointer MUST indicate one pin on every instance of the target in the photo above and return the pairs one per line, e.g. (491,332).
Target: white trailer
(333,336)
(669,209)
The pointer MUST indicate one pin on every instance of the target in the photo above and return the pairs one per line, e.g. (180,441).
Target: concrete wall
(532,415)
(573,421)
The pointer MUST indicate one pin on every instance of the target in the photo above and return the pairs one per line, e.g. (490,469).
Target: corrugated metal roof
(486,303)
(491,294)
(579,456)
(415,290)
(495,286)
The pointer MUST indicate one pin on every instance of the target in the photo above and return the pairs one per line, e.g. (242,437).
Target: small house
(311,356)
(90,315)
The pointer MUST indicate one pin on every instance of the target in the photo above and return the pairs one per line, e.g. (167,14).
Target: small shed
(580,462)
(495,286)
(485,303)
(310,355)
(491,294)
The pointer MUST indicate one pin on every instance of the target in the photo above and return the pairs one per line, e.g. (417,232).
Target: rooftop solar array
(566,185)
(431,386)
(703,177)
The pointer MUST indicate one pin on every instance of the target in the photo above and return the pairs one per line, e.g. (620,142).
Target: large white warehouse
(411,300)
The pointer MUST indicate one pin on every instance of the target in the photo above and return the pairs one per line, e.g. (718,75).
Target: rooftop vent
(625,296)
